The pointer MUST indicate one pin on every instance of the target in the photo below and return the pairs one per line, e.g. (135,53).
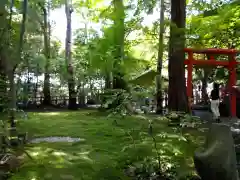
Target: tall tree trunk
(5,35)
(160,60)
(119,33)
(46,33)
(36,90)
(3,89)
(68,55)
(177,100)
(12,68)
(4,27)
(12,97)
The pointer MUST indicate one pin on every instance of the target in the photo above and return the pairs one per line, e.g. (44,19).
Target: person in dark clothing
(215,100)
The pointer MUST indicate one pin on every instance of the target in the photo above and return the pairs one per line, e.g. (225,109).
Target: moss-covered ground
(106,148)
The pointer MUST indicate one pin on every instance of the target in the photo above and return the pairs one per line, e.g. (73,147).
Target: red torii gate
(230,65)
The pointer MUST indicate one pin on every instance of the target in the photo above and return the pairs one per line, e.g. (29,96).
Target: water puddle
(56,139)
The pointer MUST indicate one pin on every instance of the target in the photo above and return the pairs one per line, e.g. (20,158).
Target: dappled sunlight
(83,153)
(84,157)
(55,163)
(140,117)
(34,153)
(42,152)
(39,152)
(171,136)
(49,114)
(172,150)
(56,156)
(79,156)
(56,153)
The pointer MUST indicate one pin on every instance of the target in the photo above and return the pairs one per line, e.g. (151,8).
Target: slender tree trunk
(68,54)
(36,85)
(119,32)
(46,32)
(12,97)
(177,96)
(3,89)
(3,30)
(160,60)
(12,68)
(6,65)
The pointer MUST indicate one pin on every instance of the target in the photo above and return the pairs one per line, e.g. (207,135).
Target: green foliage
(11,146)
(216,31)
(179,119)
(93,54)
(118,102)
(190,121)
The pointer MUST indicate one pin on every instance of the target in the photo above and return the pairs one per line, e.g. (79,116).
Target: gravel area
(56,139)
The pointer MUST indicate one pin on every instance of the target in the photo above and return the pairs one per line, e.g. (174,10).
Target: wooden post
(189,79)
(232,82)
(189,74)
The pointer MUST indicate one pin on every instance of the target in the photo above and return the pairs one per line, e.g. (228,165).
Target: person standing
(215,100)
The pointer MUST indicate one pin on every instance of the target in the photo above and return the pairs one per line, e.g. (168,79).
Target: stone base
(217,161)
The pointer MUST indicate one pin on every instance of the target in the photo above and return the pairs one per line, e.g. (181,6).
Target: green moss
(107,148)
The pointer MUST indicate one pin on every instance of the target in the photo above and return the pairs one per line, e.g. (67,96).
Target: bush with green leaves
(181,119)
(11,146)
(142,162)
(117,101)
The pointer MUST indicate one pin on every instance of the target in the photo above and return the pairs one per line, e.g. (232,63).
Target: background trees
(129,40)
(132,50)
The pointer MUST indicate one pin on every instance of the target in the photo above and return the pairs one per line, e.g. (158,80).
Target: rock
(217,161)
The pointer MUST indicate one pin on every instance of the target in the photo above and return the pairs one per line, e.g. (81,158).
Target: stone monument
(217,159)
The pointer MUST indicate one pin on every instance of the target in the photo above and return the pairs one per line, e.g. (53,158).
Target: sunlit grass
(107,147)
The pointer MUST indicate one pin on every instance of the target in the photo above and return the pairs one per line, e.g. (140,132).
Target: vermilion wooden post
(189,75)
(232,82)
